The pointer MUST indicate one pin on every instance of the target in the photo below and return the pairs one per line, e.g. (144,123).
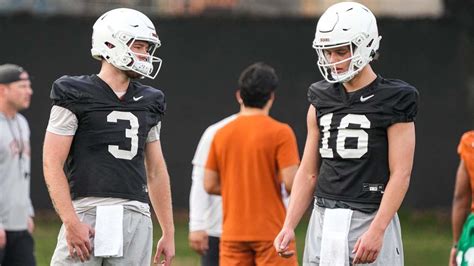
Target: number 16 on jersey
(342,133)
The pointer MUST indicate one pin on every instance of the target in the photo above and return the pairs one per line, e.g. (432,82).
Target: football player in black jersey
(102,154)
(359,149)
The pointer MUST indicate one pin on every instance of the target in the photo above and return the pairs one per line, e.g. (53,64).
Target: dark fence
(204,56)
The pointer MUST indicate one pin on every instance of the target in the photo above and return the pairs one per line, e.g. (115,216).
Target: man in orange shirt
(248,160)
(463,205)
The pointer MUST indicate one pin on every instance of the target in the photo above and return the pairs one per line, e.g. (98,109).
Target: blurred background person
(463,206)
(16,210)
(205,210)
(248,160)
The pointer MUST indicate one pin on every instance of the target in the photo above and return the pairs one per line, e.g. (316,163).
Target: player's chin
(133,75)
(24,105)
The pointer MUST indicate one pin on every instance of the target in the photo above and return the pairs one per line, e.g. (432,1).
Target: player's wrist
(168,233)
(289,226)
(377,228)
(71,222)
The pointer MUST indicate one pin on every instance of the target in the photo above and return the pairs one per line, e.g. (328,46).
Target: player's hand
(31,225)
(3,238)
(368,246)
(452,257)
(164,247)
(78,237)
(199,241)
(282,242)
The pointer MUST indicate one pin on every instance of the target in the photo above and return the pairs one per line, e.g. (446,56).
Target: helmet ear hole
(358,40)
(370,43)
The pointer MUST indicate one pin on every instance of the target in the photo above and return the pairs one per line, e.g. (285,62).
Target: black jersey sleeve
(160,103)
(155,103)
(405,108)
(311,95)
(317,91)
(64,93)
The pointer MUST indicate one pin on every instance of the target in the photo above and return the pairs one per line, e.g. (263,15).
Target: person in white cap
(102,157)
(359,149)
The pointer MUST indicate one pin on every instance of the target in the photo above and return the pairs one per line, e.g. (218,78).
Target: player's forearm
(55,152)
(3,207)
(59,192)
(212,182)
(198,201)
(461,201)
(301,197)
(460,212)
(288,176)
(392,199)
(214,189)
(160,196)
(306,175)
(31,210)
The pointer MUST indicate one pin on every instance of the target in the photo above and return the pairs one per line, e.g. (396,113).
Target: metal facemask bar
(142,67)
(145,67)
(328,70)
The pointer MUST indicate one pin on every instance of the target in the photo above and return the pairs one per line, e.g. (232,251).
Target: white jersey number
(468,257)
(343,132)
(131,133)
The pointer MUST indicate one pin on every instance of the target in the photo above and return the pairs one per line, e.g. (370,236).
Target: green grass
(426,238)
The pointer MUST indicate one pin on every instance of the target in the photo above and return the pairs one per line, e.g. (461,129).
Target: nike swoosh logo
(137,98)
(363,99)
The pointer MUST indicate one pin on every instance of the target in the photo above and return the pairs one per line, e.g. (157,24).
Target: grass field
(426,237)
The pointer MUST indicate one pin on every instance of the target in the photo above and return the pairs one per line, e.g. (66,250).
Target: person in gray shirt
(16,210)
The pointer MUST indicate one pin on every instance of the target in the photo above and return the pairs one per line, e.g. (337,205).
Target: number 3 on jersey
(131,133)
(343,132)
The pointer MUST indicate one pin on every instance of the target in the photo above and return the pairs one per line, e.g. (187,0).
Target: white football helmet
(114,33)
(346,24)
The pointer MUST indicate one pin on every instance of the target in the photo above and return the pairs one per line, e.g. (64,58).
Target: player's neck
(7,111)
(115,78)
(246,110)
(362,79)
(252,111)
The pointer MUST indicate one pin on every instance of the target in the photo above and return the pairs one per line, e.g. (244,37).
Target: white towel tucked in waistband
(334,243)
(108,240)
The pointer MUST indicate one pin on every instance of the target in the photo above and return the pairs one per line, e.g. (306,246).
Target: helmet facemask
(359,58)
(328,69)
(123,57)
(145,67)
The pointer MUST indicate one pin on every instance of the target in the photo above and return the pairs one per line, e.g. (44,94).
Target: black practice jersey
(353,143)
(107,153)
